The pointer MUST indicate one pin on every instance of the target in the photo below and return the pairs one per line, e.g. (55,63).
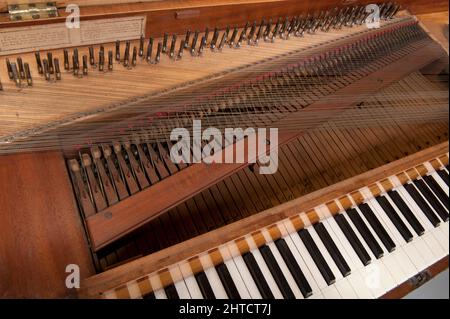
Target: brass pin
(194,43)
(57,69)
(38,62)
(134,57)
(172,47)
(66,60)
(110,60)
(117,50)
(149,50)
(158,53)
(101,60)
(164,44)
(91,55)
(16,76)
(46,71)
(85,65)
(10,71)
(50,62)
(141,46)
(28,74)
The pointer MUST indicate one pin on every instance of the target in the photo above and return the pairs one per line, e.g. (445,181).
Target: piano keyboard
(361,245)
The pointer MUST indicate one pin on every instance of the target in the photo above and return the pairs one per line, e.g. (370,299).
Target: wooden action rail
(262,227)
(125,216)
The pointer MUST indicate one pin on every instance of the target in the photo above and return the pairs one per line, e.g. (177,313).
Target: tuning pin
(28,74)
(76,65)
(252,33)
(214,39)
(66,60)
(233,37)
(149,50)
(85,65)
(241,38)
(180,52)
(117,50)
(267,31)
(57,69)
(164,45)
(158,53)
(244,31)
(101,60)
(1,86)
(222,41)
(134,57)
(46,70)
(110,60)
(141,46)
(20,67)
(202,46)
(186,39)
(38,62)
(75,57)
(126,57)
(194,43)
(50,62)
(15,74)
(91,55)
(172,47)
(260,31)
(206,34)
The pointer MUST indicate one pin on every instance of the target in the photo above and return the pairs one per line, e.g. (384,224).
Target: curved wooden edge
(408,286)
(92,287)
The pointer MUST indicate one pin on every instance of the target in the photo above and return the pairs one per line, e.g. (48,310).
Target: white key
(345,289)
(331,292)
(440,182)
(308,261)
(192,286)
(343,244)
(215,283)
(358,284)
(266,273)
(385,279)
(414,207)
(300,261)
(160,294)
(247,277)
(133,290)
(323,250)
(405,261)
(234,273)
(191,283)
(179,283)
(287,274)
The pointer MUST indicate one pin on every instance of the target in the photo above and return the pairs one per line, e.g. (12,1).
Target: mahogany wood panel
(120,219)
(94,285)
(178,16)
(40,228)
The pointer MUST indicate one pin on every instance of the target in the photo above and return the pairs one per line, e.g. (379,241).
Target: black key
(393,216)
(444,175)
(437,190)
(316,255)
(423,205)
(171,292)
(407,213)
(204,286)
(431,198)
(352,239)
(332,249)
(377,227)
(227,282)
(276,272)
(257,276)
(365,233)
(149,296)
(293,267)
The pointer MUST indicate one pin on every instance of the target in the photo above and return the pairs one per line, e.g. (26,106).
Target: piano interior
(94,205)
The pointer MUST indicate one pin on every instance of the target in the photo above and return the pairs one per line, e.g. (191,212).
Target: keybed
(313,255)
